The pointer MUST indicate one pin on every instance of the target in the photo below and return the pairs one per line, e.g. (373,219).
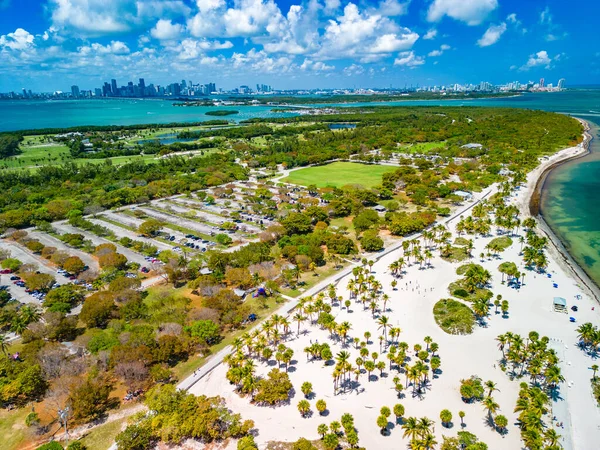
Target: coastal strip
(532,199)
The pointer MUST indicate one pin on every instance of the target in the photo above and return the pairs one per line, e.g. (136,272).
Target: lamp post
(63,418)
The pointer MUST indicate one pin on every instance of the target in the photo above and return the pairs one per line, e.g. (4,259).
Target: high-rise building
(542,82)
(75,91)
(561,83)
(97,92)
(114,88)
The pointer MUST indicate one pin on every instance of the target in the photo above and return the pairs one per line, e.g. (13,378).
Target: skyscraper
(114,88)
(542,82)
(142,87)
(561,83)
(75,91)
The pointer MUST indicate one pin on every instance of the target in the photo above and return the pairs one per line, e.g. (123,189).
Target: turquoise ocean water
(570,198)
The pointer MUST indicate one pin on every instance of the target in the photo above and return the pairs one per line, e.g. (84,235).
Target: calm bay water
(570,198)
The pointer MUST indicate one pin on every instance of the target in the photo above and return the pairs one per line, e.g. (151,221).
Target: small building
(465,195)
(472,145)
(205,271)
(559,305)
(241,293)
(379,208)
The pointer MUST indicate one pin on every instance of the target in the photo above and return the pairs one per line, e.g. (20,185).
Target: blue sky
(48,45)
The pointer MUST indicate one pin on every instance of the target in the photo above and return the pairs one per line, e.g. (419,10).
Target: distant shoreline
(559,249)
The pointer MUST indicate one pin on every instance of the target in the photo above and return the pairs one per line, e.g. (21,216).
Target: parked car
(574,308)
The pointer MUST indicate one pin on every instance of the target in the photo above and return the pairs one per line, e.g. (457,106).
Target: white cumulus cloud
(409,59)
(99,17)
(431,34)
(540,59)
(114,48)
(492,35)
(165,30)
(472,12)
(439,51)
(392,43)
(315,66)
(19,40)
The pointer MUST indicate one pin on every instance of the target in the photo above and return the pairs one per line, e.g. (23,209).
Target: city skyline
(187,88)
(294,45)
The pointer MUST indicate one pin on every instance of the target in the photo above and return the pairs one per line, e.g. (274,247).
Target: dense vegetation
(376,98)
(221,112)
(51,193)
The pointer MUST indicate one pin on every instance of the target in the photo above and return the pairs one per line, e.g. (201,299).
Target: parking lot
(26,257)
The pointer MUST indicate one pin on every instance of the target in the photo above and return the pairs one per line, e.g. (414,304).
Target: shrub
(454,317)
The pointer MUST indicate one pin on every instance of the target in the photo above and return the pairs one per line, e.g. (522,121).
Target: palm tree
(425,426)
(427,340)
(551,437)
(343,329)
(299,318)
(500,422)
(303,407)
(369,367)
(594,367)
(445,417)
(428,441)
(29,314)
(411,428)
(398,411)
(491,386)
(322,430)
(491,406)
(4,344)
(384,323)
(462,414)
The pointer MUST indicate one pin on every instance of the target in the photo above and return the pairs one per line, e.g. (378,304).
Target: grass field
(339,174)
(424,147)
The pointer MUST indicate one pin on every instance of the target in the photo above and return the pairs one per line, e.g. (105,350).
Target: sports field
(339,174)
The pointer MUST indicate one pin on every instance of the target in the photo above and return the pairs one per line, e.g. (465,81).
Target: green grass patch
(456,254)
(38,155)
(13,428)
(424,147)
(458,289)
(500,243)
(454,317)
(102,437)
(461,241)
(339,174)
(309,279)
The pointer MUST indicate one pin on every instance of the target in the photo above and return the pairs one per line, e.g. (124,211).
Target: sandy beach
(410,309)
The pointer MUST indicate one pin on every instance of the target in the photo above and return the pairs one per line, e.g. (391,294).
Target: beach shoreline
(531,206)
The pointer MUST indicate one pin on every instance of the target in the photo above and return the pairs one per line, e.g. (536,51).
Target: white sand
(462,356)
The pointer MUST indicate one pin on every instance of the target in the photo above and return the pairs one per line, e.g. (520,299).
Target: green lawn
(38,155)
(12,428)
(424,147)
(102,437)
(339,174)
